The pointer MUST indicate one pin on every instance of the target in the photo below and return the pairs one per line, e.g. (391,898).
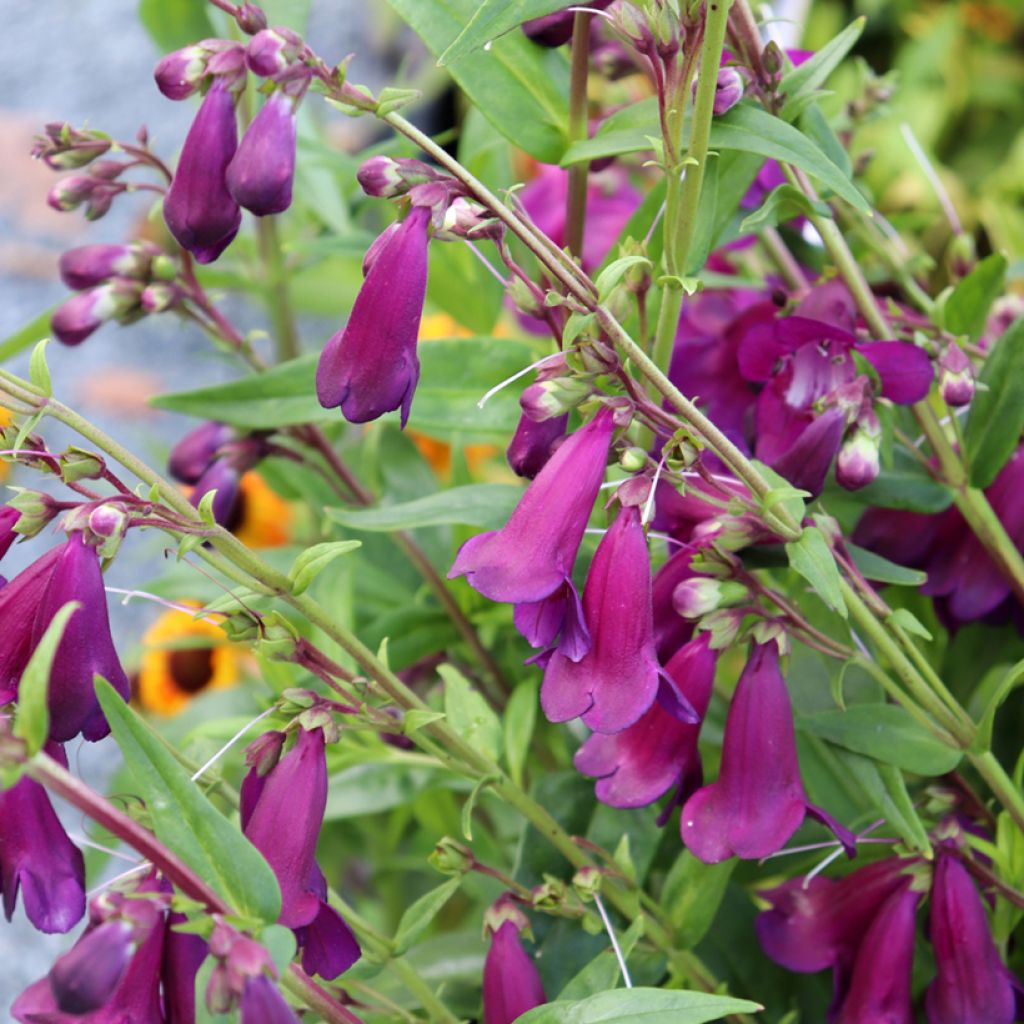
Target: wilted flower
(371,367)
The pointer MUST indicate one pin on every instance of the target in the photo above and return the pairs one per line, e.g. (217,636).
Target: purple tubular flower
(271,50)
(191,456)
(261,173)
(758,801)
(83,314)
(511,981)
(200,211)
(223,478)
(37,857)
(262,1003)
(85,977)
(636,766)
(616,681)
(532,555)
(971,984)
(532,443)
(371,367)
(806,463)
(880,984)
(282,812)
(541,622)
(728,90)
(8,520)
(86,648)
(183,956)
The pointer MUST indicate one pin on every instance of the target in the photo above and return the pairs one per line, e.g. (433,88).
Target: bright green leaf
(603,971)
(966,310)
(493,18)
(813,72)
(32,332)
(811,557)
(691,896)
(173,24)
(38,371)
(781,204)
(519,719)
(469,714)
(881,570)
(418,915)
(312,561)
(640,1006)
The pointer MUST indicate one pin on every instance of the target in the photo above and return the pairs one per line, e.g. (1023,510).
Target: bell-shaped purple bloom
(616,681)
(559,616)
(636,766)
(8,520)
(261,173)
(262,1003)
(85,977)
(371,366)
(37,857)
(86,648)
(805,464)
(511,981)
(880,983)
(200,211)
(282,812)
(533,444)
(971,984)
(532,555)
(758,801)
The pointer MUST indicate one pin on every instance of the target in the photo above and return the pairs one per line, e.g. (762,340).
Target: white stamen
(138,869)
(626,980)
(173,605)
(814,872)
(231,742)
(487,263)
(933,178)
(515,376)
(591,10)
(645,518)
(86,841)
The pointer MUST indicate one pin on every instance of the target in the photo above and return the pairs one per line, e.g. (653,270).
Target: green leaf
(997,411)
(801,82)
(381,785)
(704,226)
(173,24)
(783,493)
(906,486)
(485,505)
(883,784)
(38,371)
(519,719)
(463,287)
(470,804)
(966,310)
(417,917)
(184,819)
(494,18)
(881,570)
(603,971)
(28,335)
(810,556)
(469,714)
(613,273)
(640,1006)
(32,722)
(312,561)
(521,88)
(983,738)
(781,204)
(886,733)
(691,896)
(911,623)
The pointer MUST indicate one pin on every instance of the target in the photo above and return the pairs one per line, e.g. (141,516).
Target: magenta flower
(637,765)
(616,681)
(83,314)
(262,1003)
(37,857)
(90,265)
(183,956)
(971,984)
(200,211)
(191,456)
(553,30)
(533,444)
(8,520)
(371,367)
(880,983)
(559,616)
(532,555)
(85,977)
(512,983)
(282,812)
(758,800)
(261,173)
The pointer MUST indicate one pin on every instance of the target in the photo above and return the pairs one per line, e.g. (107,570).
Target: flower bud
(36,511)
(80,464)
(597,357)
(64,148)
(100,201)
(467,219)
(587,883)
(90,265)
(179,74)
(261,172)
(107,170)
(108,522)
(264,753)
(696,597)
(451,857)
(271,51)
(523,298)
(962,255)
(547,399)
(773,60)
(728,90)
(69,193)
(192,455)
(858,461)
(632,460)
(159,297)
(251,18)
(956,377)
(74,320)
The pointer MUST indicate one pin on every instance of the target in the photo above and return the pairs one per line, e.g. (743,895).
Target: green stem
(1000,783)
(278,300)
(419,988)
(576,200)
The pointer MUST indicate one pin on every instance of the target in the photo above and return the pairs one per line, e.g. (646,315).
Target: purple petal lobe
(904,369)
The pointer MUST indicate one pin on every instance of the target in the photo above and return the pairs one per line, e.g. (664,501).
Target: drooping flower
(191,456)
(282,812)
(637,765)
(83,314)
(182,657)
(371,367)
(511,982)
(616,681)
(261,172)
(89,265)
(758,800)
(200,212)
(37,857)
(532,555)
(971,984)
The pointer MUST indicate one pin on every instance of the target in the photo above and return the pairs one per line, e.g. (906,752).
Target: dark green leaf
(813,72)
(521,88)
(519,718)
(997,412)
(629,130)
(35,330)
(382,785)
(887,734)
(603,971)
(907,486)
(484,505)
(966,310)
(692,895)
(781,204)
(640,1006)
(173,24)
(494,18)
(32,723)
(881,570)
(184,819)
(1012,679)
(810,556)
(418,915)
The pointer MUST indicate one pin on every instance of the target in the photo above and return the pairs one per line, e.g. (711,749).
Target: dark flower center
(191,668)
